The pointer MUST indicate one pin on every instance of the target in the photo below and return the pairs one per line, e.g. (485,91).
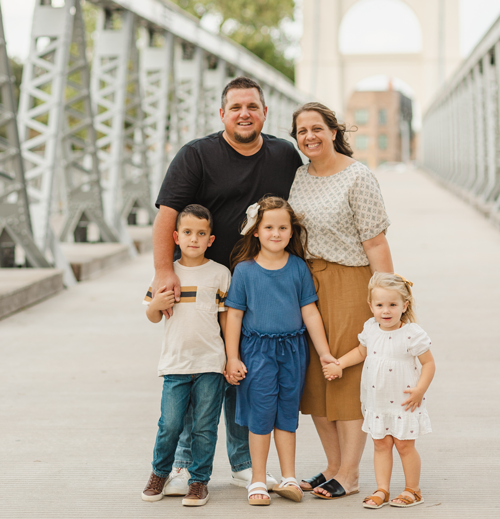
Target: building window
(382,116)
(361,142)
(361,116)
(382,142)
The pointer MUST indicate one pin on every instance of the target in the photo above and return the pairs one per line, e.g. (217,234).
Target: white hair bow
(252,213)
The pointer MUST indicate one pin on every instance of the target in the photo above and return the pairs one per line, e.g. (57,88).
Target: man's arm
(163,251)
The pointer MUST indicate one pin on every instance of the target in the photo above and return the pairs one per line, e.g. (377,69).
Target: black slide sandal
(315,481)
(335,489)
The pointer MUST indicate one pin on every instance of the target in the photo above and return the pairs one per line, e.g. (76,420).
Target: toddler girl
(271,302)
(392,386)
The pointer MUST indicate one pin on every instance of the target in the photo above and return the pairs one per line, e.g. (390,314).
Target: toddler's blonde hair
(401,285)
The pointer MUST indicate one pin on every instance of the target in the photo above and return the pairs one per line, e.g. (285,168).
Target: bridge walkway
(80,396)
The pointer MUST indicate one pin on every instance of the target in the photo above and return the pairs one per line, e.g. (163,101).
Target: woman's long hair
(249,246)
(340,144)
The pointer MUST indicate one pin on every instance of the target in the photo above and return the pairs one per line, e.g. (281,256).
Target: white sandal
(258,489)
(289,488)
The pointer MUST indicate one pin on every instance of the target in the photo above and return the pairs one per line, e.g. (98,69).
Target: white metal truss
(119,119)
(78,138)
(98,167)
(168,16)
(56,125)
(156,81)
(14,208)
(188,80)
(214,81)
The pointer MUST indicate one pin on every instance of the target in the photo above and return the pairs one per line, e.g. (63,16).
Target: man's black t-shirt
(211,173)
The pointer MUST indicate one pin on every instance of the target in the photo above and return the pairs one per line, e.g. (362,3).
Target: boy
(192,358)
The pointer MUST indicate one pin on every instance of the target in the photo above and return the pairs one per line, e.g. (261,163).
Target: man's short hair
(196,210)
(242,83)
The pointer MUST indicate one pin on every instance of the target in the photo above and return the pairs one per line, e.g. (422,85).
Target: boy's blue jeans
(236,437)
(203,394)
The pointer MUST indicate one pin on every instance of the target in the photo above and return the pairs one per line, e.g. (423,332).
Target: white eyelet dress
(391,366)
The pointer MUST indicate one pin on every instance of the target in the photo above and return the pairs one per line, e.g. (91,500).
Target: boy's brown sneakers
(154,488)
(197,496)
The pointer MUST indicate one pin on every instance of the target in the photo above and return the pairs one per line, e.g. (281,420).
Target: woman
(346,220)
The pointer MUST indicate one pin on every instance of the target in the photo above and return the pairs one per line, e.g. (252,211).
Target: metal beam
(188,64)
(119,120)
(157,88)
(166,15)
(14,209)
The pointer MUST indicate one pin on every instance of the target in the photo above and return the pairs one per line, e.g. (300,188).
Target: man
(225,172)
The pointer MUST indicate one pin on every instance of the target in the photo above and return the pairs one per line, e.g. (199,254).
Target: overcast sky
(476,17)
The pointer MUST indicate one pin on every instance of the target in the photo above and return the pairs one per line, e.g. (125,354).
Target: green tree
(254,24)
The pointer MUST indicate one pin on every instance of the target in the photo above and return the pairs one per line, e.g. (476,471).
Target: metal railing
(461,129)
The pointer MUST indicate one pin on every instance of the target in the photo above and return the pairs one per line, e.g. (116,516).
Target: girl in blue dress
(271,303)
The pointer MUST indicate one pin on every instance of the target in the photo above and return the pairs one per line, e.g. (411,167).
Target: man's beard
(245,139)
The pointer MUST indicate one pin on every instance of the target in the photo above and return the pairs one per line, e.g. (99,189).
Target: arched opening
(386,117)
(380,27)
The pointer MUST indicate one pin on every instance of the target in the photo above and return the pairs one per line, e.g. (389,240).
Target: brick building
(384,131)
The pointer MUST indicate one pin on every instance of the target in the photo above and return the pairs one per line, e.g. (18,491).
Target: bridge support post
(14,209)
(156,80)
(472,142)
(491,125)
(496,189)
(56,125)
(214,81)
(479,129)
(119,120)
(188,62)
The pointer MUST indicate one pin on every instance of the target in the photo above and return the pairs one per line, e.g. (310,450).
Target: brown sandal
(407,502)
(377,500)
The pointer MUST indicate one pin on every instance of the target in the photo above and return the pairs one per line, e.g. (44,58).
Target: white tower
(331,76)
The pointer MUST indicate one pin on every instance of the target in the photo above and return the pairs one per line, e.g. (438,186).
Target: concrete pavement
(80,397)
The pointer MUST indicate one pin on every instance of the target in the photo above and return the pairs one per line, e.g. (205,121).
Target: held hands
(235,371)
(163,300)
(331,367)
(415,399)
(162,281)
(332,371)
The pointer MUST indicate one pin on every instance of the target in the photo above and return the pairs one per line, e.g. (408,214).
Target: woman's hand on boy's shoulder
(163,299)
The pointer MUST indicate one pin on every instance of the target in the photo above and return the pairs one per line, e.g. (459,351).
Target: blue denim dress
(273,346)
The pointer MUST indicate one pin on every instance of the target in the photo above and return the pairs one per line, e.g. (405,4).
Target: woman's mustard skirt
(342,293)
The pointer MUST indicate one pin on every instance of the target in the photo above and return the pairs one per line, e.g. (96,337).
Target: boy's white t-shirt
(192,342)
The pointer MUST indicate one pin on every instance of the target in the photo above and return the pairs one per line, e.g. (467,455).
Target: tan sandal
(407,501)
(258,489)
(289,488)
(379,503)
